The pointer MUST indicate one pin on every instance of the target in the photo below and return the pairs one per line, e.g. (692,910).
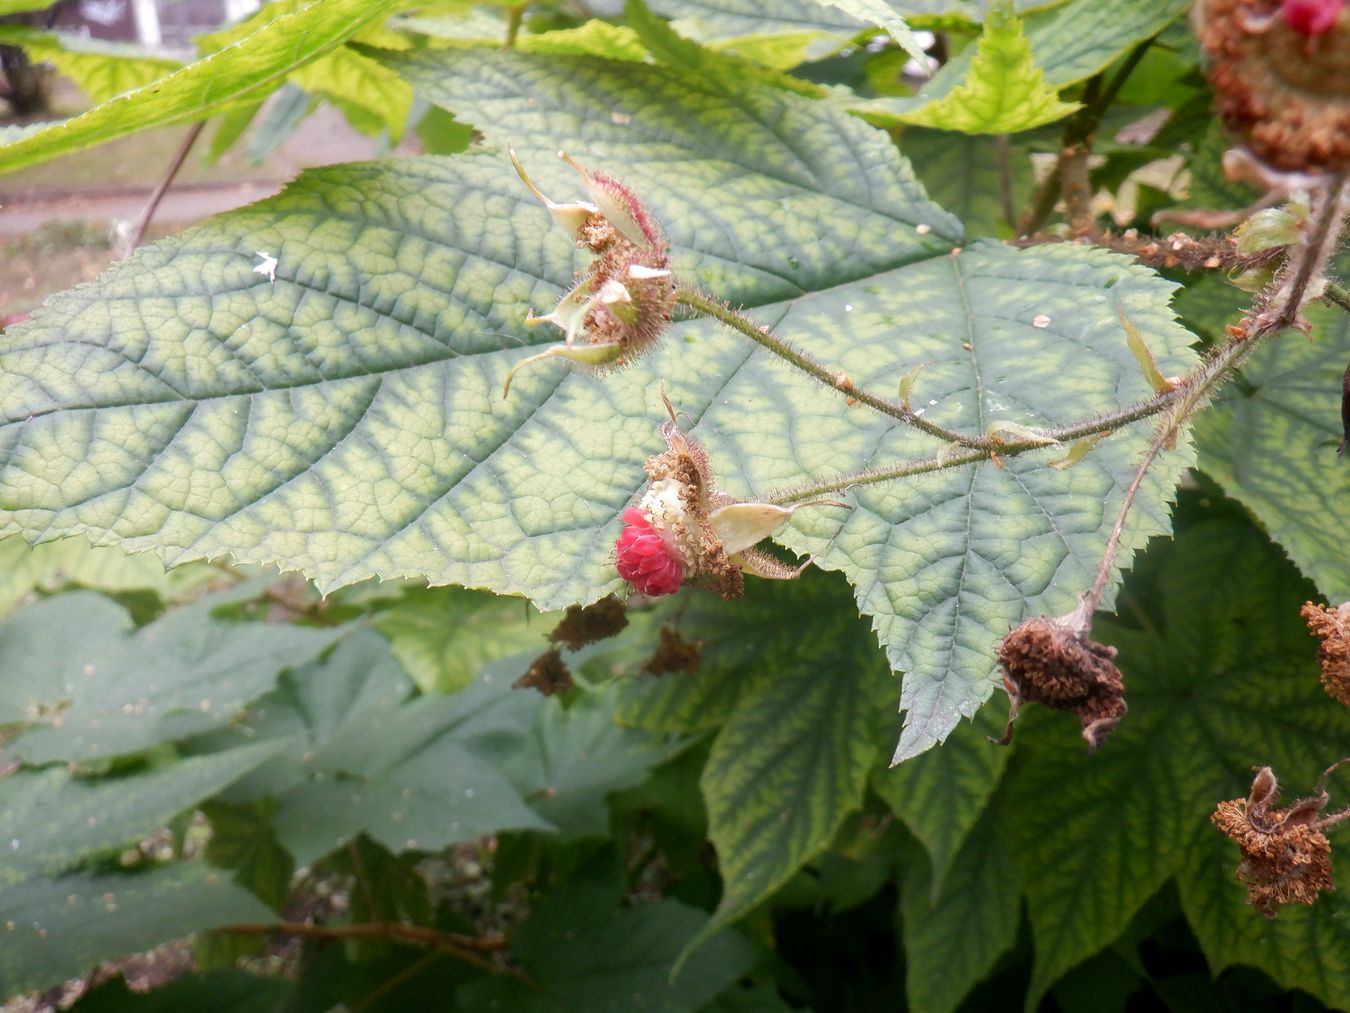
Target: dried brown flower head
(1051,662)
(600,621)
(547,673)
(1286,856)
(674,654)
(1332,626)
(1286,90)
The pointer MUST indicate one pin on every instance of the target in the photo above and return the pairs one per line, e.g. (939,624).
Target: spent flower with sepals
(622,302)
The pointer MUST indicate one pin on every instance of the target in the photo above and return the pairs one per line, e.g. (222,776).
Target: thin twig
(157,195)
(719,311)
(1076,145)
(1333,293)
(464,948)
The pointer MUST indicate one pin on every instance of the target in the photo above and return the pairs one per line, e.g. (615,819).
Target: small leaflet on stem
(1147,364)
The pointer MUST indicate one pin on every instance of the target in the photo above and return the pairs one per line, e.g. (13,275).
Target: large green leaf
(82,685)
(583,952)
(51,820)
(420,776)
(954,933)
(55,929)
(940,794)
(443,636)
(883,14)
(1271,443)
(575,757)
(101,69)
(961,172)
(1220,676)
(718,20)
(347,419)
(1003,90)
(369,95)
(792,759)
(247,70)
(360,756)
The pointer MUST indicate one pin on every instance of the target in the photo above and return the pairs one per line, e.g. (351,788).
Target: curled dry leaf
(548,673)
(581,626)
(674,654)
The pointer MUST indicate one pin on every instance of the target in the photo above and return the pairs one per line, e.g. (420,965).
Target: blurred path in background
(57,219)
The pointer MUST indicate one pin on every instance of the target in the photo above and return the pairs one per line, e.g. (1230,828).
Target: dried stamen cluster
(1286,856)
(1282,75)
(1051,662)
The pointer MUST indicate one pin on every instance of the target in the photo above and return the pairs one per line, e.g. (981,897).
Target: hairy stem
(709,307)
(1333,293)
(1070,171)
(1304,263)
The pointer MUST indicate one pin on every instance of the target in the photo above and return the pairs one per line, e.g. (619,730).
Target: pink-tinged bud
(620,207)
(1312,17)
(645,558)
(573,218)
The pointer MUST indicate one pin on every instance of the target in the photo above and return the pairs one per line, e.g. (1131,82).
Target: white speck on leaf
(1041,321)
(268,267)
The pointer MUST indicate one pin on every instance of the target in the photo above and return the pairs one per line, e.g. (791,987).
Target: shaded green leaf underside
(1220,675)
(1271,443)
(55,929)
(346,419)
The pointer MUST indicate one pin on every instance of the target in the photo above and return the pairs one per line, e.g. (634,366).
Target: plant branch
(465,948)
(1333,293)
(1070,172)
(951,458)
(709,307)
(157,195)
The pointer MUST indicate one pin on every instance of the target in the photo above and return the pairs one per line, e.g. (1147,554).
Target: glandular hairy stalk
(1051,660)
